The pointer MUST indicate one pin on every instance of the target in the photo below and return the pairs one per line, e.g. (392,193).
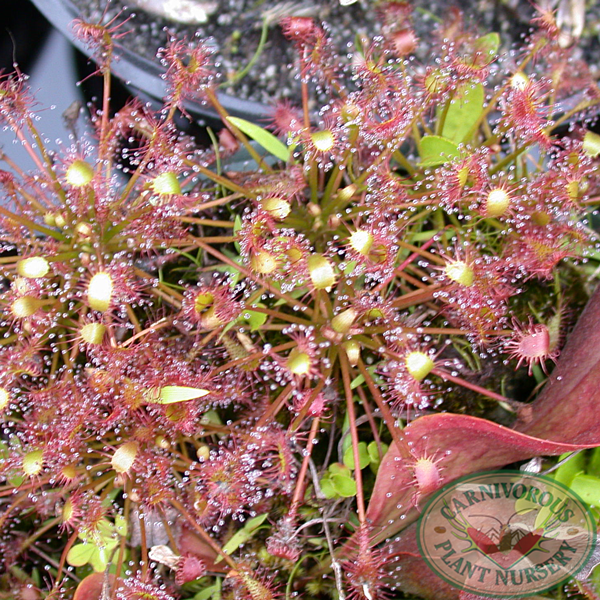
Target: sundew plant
(238,382)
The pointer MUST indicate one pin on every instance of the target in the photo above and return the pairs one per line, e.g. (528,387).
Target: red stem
(360,498)
(299,490)
(476,388)
(275,406)
(396,434)
(63,559)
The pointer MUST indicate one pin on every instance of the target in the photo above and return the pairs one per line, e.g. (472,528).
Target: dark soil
(234,29)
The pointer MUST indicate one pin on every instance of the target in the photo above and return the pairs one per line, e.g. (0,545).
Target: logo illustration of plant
(509,544)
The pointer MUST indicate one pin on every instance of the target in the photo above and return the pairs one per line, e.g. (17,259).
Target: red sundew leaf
(437,150)
(414,577)
(188,542)
(461,445)
(568,409)
(565,417)
(92,586)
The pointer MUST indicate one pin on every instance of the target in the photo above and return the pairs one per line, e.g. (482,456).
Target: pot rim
(141,74)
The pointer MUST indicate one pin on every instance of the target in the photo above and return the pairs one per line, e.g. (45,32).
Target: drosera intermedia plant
(214,380)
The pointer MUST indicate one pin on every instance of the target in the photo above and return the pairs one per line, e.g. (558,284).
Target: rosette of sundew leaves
(325,337)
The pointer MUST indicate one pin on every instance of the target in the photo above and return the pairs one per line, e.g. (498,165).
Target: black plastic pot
(24,32)
(142,76)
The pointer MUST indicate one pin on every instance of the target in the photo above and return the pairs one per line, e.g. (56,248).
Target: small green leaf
(254,319)
(350,265)
(99,559)
(207,593)
(352,523)
(591,144)
(339,468)
(171,394)
(327,488)
(211,417)
(105,529)
(363,456)
(237,225)
(343,485)
(436,150)
(567,471)
(15,481)
(318,542)
(483,51)
(121,525)
(263,137)
(80,554)
(543,514)
(587,487)
(111,497)
(374,451)
(242,535)
(358,380)
(464,110)
(347,440)
(255,522)
(487,46)
(423,236)
(594,464)
(232,271)
(374,455)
